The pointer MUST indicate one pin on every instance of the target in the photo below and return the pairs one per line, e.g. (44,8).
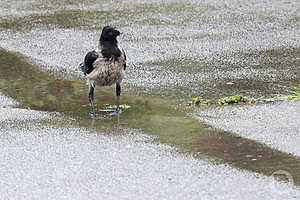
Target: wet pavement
(176,50)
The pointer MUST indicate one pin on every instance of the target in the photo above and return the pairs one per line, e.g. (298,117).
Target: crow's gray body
(107,72)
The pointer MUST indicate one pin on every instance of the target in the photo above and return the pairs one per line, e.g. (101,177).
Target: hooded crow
(105,65)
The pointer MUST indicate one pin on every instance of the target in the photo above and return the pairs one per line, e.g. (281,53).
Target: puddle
(247,154)
(40,91)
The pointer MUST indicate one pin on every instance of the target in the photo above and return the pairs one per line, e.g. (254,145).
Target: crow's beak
(117,33)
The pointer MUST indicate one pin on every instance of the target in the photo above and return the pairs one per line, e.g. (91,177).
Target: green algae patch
(238,98)
(294,95)
(198,101)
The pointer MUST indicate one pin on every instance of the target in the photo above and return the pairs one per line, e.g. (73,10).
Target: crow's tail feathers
(82,68)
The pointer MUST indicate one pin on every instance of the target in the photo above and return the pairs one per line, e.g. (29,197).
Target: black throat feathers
(110,49)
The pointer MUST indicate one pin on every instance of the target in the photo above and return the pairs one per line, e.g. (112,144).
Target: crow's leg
(118,93)
(91,98)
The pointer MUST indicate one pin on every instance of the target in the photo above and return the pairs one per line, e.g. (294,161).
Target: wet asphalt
(176,50)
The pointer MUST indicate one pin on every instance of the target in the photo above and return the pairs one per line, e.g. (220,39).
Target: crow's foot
(97,116)
(117,112)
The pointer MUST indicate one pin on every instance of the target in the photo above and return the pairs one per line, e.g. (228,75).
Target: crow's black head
(109,34)
(109,43)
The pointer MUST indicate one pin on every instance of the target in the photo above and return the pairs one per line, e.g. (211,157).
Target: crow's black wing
(89,59)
